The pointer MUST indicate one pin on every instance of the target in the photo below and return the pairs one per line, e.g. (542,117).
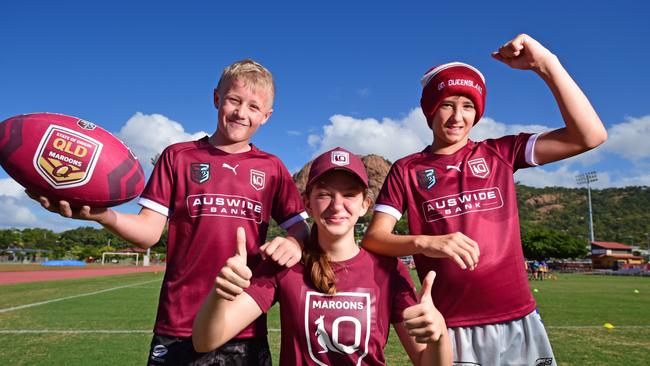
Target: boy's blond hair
(251,73)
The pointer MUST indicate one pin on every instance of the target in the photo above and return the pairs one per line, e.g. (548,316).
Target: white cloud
(14,214)
(629,139)
(389,138)
(19,211)
(10,188)
(540,177)
(149,134)
(294,133)
(565,176)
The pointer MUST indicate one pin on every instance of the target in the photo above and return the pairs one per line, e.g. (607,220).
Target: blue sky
(347,73)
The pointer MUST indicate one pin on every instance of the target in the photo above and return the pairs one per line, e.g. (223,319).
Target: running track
(8,278)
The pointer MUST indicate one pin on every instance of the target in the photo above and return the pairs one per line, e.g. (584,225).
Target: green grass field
(108,321)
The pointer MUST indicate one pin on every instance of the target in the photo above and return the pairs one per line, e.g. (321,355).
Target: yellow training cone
(608,326)
(636,291)
(535,290)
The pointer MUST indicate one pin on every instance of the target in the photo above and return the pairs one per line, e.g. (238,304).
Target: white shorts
(518,342)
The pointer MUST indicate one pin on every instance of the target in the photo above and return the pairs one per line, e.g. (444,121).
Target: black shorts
(180,351)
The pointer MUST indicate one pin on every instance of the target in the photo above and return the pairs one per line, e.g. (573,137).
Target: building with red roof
(612,255)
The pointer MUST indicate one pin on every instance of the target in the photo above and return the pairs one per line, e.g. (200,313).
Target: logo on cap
(340,158)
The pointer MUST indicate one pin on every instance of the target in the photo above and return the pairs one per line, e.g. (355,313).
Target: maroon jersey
(471,191)
(207,193)
(348,328)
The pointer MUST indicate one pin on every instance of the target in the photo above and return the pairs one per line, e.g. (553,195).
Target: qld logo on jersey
(258,179)
(340,158)
(426,178)
(200,172)
(479,167)
(337,327)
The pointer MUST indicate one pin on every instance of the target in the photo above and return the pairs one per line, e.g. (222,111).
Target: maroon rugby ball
(68,158)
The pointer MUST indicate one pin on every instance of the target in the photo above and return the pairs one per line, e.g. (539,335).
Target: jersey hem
(502,318)
(245,334)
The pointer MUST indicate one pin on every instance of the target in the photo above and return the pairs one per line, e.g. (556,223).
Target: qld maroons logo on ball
(66,158)
(337,327)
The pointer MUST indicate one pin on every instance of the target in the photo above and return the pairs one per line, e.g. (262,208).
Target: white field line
(74,331)
(85,331)
(6,310)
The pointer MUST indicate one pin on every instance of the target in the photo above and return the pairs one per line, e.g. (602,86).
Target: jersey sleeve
(391,198)
(403,294)
(158,192)
(264,285)
(516,150)
(288,208)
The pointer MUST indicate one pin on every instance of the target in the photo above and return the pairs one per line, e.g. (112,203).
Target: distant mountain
(619,214)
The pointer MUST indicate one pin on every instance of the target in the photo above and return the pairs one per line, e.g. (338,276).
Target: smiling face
(335,203)
(452,123)
(243,108)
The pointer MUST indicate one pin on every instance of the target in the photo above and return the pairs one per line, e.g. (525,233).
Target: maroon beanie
(454,78)
(337,159)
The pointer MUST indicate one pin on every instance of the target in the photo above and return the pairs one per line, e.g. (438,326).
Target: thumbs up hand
(235,276)
(423,320)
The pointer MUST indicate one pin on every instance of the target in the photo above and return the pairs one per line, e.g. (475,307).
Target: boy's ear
(267,115)
(216,98)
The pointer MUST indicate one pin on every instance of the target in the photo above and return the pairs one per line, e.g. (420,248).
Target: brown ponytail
(317,264)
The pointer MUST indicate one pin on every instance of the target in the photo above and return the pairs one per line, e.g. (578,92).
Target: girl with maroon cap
(460,199)
(337,304)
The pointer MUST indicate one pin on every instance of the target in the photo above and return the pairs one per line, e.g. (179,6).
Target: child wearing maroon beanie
(459,197)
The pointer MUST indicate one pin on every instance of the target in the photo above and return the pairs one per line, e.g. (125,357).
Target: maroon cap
(454,78)
(337,159)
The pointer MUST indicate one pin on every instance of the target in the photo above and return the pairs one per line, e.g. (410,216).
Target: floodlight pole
(586,178)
